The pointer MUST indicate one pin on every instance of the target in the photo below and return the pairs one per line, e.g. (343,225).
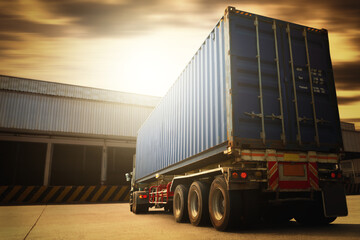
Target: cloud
(350,119)
(9,37)
(347,76)
(125,17)
(133,17)
(11,23)
(348,100)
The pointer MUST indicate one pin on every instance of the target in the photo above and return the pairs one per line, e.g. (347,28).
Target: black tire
(219,204)
(198,203)
(135,208)
(312,215)
(180,204)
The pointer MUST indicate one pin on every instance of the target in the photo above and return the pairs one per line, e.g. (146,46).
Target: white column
(104,165)
(48,163)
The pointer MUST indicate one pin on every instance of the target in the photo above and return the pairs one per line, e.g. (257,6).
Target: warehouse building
(351,162)
(67,143)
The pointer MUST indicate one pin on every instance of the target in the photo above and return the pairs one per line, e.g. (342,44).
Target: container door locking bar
(294,85)
(311,88)
(283,138)
(261,115)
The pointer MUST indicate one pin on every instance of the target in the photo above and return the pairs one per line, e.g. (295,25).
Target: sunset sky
(141,46)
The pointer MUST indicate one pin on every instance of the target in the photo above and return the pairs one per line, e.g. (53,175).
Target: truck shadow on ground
(290,228)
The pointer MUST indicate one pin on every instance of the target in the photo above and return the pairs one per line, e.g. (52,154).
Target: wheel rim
(218,204)
(194,203)
(177,204)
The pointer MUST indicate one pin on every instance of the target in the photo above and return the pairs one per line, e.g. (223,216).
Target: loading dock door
(22,163)
(76,165)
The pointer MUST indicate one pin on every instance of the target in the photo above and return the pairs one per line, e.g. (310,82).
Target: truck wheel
(219,204)
(180,203)
(134,209)
(198,208)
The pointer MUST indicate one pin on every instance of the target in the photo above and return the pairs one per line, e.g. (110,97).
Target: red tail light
(339,175)
(333,175)
(243,175)
(143,196)
(235,175)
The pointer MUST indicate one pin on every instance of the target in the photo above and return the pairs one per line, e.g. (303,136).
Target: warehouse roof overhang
(47,108)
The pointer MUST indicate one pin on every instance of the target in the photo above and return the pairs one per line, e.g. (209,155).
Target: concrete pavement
(115,221)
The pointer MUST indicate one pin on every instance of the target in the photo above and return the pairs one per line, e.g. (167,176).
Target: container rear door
(283,92)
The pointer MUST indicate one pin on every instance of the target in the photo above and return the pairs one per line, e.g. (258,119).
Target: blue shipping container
(255,83)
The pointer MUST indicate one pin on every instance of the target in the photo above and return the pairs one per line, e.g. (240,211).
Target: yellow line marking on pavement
(110,192)
(25,193)
(75,194)
(87,193)
(63,194)
(99,192)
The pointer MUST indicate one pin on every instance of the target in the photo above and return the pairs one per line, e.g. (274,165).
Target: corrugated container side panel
(191,117)
(254,73)
(57,114)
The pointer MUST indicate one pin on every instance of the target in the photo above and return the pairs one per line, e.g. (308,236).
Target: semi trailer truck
(249,132)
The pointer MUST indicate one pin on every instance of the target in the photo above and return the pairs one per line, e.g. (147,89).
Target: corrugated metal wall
(351,141)
(87,162)
(68,115)
(347,126)
(192,116)
(72,91)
